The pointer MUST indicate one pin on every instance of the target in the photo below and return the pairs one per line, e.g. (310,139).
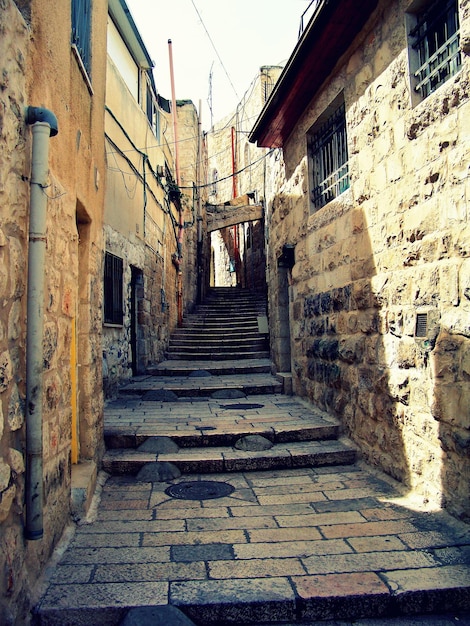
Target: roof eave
(328,35)
(124,21)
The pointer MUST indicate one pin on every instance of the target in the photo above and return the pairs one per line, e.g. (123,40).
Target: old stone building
(52,184)
(236,184)
(89,167)
(368,267)
(142,218)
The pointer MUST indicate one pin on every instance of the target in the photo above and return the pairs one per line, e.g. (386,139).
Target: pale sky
(246,34)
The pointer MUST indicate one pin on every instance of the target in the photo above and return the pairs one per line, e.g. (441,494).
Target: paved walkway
(284,546)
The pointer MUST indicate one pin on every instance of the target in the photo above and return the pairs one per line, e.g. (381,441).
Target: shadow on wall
(347,348)
(395,376)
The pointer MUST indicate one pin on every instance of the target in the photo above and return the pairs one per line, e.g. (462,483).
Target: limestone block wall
(192,175)
(230,151)
(192,163)
(379,302)
(38,69)
(152,320)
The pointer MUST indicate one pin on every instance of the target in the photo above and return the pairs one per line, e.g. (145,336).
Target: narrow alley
(237,503)
(235,352)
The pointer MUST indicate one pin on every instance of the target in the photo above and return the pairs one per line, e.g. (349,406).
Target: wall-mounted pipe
(44,125)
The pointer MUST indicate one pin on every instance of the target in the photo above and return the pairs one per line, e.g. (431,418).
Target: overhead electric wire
(215,49)
(234,173)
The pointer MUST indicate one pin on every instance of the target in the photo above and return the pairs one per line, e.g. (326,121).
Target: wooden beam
(222,216)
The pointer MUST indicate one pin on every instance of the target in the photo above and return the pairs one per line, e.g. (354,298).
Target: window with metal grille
(435,39)
(81,31)
(151,108)
(268,85)
(328,156)
(113,266)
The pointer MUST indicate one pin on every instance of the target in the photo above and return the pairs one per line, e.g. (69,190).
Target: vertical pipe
(199,207)
(234,165)
(235,194)
(35,331)
(174,112)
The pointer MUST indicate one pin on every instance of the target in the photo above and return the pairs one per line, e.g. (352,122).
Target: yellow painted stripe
(73,399)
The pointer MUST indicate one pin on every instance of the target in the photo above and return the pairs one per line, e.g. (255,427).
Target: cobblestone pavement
(291,545)
(287,545)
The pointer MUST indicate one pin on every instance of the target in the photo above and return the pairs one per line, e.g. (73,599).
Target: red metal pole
(234,164)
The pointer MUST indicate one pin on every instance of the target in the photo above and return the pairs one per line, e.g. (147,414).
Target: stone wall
(13,200)
(230,151)
(38,69)
(386,257)
(141,228)
(146,268)
(192,175)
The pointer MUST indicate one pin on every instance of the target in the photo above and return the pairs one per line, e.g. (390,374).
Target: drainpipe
(44,125)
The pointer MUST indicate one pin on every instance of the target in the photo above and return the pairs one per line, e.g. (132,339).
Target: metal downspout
(44,125)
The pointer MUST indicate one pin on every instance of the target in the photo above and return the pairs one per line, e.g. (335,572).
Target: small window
(421,329)
(81,31)
(151,107)
(434,39)
(113,270)
(328,156)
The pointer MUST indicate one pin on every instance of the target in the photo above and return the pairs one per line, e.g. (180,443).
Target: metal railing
(308,14)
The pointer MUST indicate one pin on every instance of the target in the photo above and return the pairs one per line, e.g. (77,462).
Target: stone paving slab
(215,459)
(203,386)
(222,367)
(251,557)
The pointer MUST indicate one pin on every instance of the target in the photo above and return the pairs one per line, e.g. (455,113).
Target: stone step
(225,338)
(218,432)
(217,332)
(203,355)
(224,459)
(218,327)
(180,367)
(184,386)
(216,319)
(216,347)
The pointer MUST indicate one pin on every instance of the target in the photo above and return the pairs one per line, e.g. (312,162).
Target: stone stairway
(294,533)
(220,357)
(225,327)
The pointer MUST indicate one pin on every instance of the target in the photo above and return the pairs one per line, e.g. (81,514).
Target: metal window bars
(81,31)
(113,290)
(436,41)
(329,154)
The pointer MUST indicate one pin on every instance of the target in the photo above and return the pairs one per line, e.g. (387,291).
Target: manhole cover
(200,490)
(241,406)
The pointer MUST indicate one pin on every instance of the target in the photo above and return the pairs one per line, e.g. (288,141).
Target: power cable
(215,49)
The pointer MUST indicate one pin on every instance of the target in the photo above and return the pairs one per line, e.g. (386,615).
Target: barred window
(113,273)
(434,45)
(328,156)
(81,31)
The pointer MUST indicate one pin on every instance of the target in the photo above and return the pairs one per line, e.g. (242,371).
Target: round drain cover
(240,406)
(200,490)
